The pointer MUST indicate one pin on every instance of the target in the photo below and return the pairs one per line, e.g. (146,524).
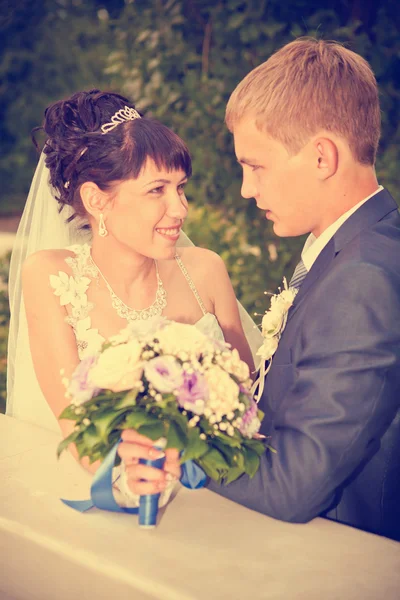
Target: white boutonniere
(274,320)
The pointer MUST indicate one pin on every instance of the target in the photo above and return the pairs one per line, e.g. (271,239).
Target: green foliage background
(179,60)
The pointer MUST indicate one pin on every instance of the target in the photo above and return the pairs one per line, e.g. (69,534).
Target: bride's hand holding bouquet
(171,391)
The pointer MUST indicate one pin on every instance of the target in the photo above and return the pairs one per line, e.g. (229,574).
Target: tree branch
(205,55)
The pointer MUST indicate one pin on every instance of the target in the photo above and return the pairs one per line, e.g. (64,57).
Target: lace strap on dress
(72,292)
(80,264)
(191,284)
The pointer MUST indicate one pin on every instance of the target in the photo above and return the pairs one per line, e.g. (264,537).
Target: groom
(306,126)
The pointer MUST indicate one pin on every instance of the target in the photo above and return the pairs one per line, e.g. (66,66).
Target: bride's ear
(93,198)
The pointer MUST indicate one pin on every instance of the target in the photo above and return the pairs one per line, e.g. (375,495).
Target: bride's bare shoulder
(201,259)
(45,262)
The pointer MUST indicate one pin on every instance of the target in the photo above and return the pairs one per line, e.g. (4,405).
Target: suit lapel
(367,215)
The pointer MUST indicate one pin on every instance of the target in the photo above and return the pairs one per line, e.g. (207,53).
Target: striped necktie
(299,275)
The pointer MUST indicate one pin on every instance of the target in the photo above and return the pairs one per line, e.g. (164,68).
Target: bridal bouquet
(171,382)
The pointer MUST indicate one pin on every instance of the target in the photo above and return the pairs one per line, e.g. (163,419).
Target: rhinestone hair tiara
(125,114)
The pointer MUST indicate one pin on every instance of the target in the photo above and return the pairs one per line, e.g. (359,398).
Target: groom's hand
(143,479)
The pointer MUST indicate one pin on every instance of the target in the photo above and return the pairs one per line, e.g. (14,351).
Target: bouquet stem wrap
(102,497)
(148,504)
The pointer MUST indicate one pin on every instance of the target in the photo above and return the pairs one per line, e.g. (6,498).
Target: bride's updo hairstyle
(77,150)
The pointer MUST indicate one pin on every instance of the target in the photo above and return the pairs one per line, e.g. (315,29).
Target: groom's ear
(326,157)
(93,198)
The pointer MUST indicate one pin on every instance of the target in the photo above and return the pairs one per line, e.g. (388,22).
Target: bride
(100,245)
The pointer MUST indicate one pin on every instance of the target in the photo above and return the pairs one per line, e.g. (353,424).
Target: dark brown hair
(77,151)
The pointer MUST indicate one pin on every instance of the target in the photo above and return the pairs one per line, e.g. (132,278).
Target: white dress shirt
(314,245)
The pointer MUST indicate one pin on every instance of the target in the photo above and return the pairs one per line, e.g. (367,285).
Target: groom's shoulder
(376,248)
(380,245)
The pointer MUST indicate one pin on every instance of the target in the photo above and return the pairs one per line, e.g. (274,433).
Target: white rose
(268,348)
(118,368)
(286,298)
(272,322)
(179,337)
(122,337)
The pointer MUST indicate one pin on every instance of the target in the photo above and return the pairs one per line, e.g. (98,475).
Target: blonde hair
(307,86)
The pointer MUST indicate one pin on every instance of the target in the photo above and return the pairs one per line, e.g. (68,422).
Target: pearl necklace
(131,314)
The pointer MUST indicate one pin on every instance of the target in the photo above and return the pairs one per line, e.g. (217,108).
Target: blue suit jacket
(332,396)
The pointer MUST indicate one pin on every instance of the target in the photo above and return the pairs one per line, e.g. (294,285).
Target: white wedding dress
(71,287)
(72,291)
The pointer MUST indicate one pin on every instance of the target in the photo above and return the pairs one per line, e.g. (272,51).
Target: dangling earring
(102,227)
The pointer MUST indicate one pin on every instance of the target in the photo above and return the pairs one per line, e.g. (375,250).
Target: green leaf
(227,452)
(106,422)
(97,455)
(172,410)
(214,464)
(90,438)
(209,469)
(114,437)
(66,442)
(176,437)
(233,456)
(257,445)
(196,447)
(251,461)
(234,440)
(81,448)
(153,430)
(89,445)
(233,474)
(128,400)
(69,413)
(134,420)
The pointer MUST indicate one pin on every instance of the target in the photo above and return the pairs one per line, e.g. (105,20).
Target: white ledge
(204,546)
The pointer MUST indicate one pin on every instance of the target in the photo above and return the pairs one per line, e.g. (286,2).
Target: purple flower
(164,373)
(80,387)
(193,392)
(250,422)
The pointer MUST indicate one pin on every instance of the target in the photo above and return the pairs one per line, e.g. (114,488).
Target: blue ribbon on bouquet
(101,491)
